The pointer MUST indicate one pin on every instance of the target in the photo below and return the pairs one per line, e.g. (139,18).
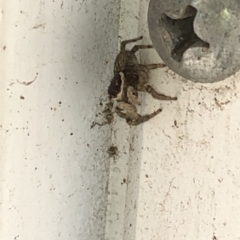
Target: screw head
(199,40)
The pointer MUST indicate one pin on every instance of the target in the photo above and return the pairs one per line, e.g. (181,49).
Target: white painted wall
(175,177)
(53,168)
(182,167)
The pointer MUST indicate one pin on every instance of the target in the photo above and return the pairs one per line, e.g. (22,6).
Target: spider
(130,77)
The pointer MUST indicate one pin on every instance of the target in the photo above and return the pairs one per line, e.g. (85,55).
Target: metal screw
(199,40)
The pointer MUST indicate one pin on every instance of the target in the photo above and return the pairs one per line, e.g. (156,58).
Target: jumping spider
(130,77)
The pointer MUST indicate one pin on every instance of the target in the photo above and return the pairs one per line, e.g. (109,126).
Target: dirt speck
(175,123)
(22,97)
(40,26)
(124,181)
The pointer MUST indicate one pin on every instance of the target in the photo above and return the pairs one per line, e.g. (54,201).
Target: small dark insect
(130,77)
(112,151)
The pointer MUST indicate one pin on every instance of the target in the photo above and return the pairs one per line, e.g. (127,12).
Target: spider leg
(99,124)
(124,43)
(149,89)
(137,47)
(142,118)
(152,66)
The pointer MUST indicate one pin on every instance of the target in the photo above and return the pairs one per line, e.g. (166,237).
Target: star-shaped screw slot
(182,34)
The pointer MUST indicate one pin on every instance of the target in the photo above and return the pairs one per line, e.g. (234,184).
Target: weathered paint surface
(53,168)
(175,177)
(184,168)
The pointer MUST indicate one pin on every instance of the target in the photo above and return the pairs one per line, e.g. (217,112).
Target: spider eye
(113,91)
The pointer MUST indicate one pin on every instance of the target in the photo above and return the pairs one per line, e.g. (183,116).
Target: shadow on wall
(92,50)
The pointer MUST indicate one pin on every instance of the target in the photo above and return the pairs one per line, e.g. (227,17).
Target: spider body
(130,77)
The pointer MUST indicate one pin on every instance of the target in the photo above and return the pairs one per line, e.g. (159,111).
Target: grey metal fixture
(199,40)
